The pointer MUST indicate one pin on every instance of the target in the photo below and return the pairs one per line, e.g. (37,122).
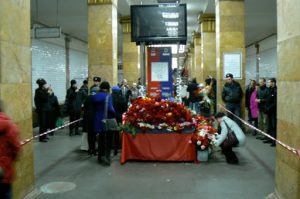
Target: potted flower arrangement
(203,138)
(147,114)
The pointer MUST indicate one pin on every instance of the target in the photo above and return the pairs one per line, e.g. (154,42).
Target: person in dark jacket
(88,121)
(119,105)
(105,138)
(74,101)
(232,95)
(194,98)
(9,151)
(54,110)
(271,110)
(97,81)
(84,89)
(42,105)
(262,94)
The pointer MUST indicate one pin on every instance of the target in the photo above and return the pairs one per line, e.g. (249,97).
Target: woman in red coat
(9,150)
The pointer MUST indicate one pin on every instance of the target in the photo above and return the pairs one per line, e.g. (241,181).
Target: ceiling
(71,15)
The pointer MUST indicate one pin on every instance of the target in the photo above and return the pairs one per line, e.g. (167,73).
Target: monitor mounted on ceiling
(159,24)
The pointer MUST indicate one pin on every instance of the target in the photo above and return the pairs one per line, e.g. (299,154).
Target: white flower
(202,132)
(198,142)
(203,147)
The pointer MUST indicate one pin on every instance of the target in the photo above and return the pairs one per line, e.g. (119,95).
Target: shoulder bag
(231,139)
(109,124)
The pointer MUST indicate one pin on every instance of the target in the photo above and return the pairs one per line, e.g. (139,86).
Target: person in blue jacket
(104,138)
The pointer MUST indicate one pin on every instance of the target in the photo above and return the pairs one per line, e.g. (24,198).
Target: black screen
(158,24)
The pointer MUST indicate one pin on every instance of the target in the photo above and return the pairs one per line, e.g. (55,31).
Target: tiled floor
(60,160)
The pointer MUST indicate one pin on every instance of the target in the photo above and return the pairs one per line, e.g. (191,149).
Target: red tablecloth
(158,147)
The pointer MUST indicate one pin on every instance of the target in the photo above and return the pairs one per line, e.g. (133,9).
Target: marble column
(190,63)
(208,44)
(102,40)
(197,56)
(15,83)
(287,173)
(230,38)
(131,53)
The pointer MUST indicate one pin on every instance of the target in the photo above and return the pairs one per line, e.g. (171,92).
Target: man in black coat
(262,94)
(271,110)
(42,105)
(232,95)
(74,101)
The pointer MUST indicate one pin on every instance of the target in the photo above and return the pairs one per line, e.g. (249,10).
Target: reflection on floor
(60,160)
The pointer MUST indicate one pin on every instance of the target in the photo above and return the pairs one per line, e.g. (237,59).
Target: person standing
(97,81)
(232,95)
(74,101)
(249,89)
(42,105)
(271,110)
(194,97)
(84,88)
(183,94)
(125,91)
(54,110)
(119,105)
(254,106)
(9,151)
(226,125)
(262,94)
(88,121)
(105,137)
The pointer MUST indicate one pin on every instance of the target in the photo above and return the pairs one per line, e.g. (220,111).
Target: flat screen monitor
(154,24)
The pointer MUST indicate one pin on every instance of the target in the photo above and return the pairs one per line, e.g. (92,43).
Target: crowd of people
(88,103)
(96,104)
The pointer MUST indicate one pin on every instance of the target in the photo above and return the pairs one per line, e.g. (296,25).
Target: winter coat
(88,115)
(41,100)
(119,103)
(224,131)
(262,94)
(54,106)
(193,92)
(232,93)
(99,102)
(85,91)
(9,147)
(271,101)
(74,101)
(254,105)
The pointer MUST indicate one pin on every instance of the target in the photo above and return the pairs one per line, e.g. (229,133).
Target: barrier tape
(47,132)
(291,149)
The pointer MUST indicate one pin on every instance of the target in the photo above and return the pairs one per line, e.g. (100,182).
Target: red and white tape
(47,132)
(291,149)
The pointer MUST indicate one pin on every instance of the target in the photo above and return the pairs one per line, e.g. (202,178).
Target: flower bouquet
(153,114)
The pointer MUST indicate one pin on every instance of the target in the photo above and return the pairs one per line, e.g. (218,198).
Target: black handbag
(231,139)
(109,124)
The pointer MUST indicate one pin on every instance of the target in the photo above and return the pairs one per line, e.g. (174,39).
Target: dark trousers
(5,191)
(249,114)
(230,155)
(92,142)
(43,117)
(73,117)
(52,121)
(235,109)
(272,125)
(104,145)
